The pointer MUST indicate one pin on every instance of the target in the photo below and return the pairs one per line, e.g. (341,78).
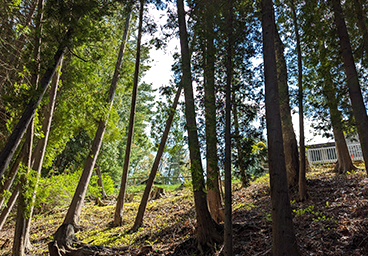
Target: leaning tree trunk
(40,149)
(8,181)
(20,237)
(9,205)
(151,178)
(361,21)
(213,187)
(355,93)
(28,114)
(118,215)
(288,134)
(302,165)
(228,232)
(74,211)
(344,163)
(284,241)
(207,231)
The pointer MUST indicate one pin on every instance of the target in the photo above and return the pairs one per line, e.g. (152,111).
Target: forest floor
(332,222)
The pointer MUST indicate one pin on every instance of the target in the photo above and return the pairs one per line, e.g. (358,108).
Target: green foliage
(57,190)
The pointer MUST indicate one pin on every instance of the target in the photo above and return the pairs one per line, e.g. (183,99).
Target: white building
(326,152)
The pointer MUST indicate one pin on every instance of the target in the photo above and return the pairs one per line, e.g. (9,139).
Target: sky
(160,74)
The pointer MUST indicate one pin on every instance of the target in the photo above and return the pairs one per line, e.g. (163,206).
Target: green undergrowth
(176,209)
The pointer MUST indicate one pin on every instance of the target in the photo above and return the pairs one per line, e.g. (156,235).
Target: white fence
(325,155)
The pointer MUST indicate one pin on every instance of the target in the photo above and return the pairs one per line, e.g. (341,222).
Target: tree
(213,174)
(73,214)
(355,93)
(118,217)
(151,178)
(302,164)
(290,145)
(28,114)
(207,231)
(228,233)
(284,242)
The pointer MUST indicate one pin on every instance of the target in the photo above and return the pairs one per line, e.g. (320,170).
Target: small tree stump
(157,193)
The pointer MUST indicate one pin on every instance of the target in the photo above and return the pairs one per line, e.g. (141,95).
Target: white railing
(325,155)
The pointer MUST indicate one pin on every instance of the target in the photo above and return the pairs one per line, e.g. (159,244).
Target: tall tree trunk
(28,114)
(361,24)
(344,163)
(74,211)
(288,134)
(228,234)
(302,164)
(243,175)
(40,149)
(207,231)
(20,237)
(355,93)
(284,241)
(151,178)
(213,187)
(118,215)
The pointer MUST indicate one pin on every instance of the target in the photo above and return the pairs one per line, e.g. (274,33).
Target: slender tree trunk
(118,215)
(28,114)
(243,175)
(11,176)
(288,134)
(361,23)
(40,149)
(213,187)
(207,231)
(228,234)
(20,238)
(302,164)
(151,178)
(74,211)
(284,241)
(355,93)
(344,163)
(100,182)
(9,205)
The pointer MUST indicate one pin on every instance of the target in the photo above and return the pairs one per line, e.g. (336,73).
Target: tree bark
(100,182)
(207,231)
(151,178)
(228,233)
(243,175)
(355,93)
(344,163)
(40,149)
(284,241)
(118,215)
(361,20)
(28,114)
(11,176)
(213,187)
(74,211)
(20,237)
(288,134)
(302,164)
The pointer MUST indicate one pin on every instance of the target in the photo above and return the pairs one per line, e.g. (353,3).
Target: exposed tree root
(66,244)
